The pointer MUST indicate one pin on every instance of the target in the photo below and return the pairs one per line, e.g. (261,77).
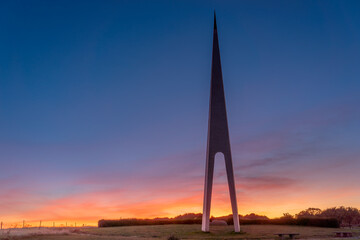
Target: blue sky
(113,95)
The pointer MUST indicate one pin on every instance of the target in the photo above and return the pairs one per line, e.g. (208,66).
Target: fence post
(23,223)
(40,224)
(53,224)
(1,225)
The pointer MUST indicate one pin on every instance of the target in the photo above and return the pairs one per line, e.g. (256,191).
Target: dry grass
(164,231)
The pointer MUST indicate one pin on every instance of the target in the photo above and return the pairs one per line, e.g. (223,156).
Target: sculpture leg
(232,190)
(209,173)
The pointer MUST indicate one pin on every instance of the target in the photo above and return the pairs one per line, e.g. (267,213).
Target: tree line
(347,216)
(330,217)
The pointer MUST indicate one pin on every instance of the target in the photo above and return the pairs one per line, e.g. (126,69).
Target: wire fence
(44,224)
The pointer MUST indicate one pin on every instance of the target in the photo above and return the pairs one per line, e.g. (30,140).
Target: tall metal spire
(215,27)
(218,138)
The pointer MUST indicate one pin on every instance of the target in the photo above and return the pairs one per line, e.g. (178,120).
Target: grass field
(164,231)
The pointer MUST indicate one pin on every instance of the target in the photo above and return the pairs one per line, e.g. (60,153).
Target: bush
(318,222)
(172,237)
(310,221)
(136,222)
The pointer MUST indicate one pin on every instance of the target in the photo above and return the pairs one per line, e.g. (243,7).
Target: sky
(104,107)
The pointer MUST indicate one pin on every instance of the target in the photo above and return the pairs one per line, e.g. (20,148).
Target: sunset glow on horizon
(104,108)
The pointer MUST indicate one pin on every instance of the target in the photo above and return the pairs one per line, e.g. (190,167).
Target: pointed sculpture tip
(215,27)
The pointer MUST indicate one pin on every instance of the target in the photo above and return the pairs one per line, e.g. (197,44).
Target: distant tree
(351,216)
(331,212)
(162,218)
(287,216)
(310,212)
(189,216)
(253,216)
(347,216)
